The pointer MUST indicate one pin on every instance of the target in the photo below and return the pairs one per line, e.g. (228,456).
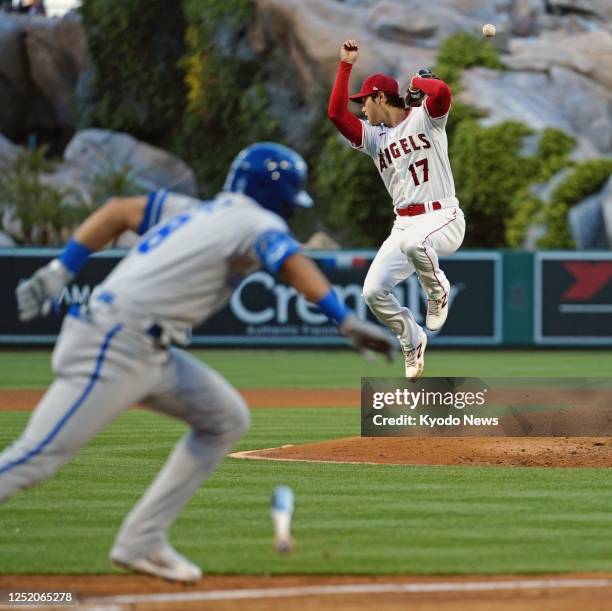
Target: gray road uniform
(116,352)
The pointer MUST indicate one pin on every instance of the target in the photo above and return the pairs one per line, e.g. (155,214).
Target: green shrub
(114,182)
(554,149)
(488,173)
(459,113)
(525,209)
(492,178)
(587,178)
(25,197)
(135,47)
(555,143)
(461,51)
(358,209)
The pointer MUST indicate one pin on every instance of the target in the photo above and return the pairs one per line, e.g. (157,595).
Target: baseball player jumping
(410,150)
(120,348)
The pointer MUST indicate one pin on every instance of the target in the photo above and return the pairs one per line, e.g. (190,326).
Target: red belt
(416,209)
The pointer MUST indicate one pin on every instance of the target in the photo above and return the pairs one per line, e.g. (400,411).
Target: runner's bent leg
(218,417)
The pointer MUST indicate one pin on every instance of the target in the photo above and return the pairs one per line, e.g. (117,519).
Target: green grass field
(342,369)
(349,518)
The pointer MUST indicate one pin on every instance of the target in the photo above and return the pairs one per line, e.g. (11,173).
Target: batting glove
(37,295)
(367,337)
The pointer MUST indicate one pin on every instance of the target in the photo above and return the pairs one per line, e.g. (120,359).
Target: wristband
(74,256)
(332,307)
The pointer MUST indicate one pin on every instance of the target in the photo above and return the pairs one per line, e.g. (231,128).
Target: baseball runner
(410,150)
(120,349)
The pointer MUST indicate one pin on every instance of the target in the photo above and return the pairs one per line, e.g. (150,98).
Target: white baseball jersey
(412,157)
(190,259)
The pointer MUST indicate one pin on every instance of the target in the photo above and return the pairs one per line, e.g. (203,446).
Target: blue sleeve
(153,210)
(273,248)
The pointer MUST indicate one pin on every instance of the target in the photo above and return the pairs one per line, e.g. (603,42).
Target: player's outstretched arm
(337,111)
(108,222)
(36,295)
(301,272)
(438,94)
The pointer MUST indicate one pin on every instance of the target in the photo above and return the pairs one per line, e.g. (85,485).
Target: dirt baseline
(589,592)
(26,399)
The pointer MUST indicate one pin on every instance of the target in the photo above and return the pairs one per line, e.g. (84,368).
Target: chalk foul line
(356,588)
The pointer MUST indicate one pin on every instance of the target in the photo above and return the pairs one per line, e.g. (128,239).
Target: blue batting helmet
(273,175)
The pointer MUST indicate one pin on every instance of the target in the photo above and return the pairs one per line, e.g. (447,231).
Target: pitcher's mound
(482,451)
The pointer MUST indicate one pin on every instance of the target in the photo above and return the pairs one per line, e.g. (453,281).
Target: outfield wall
(497,298)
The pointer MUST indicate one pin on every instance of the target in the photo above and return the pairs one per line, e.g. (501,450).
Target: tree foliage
(359,208)
(227,103)
(135,47)
(488,172)
(586,178)
(183,76)
(461,51)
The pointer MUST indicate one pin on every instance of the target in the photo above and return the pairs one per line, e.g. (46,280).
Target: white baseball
(488,30)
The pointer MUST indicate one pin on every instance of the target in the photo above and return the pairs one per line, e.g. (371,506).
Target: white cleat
(415,359)
(165,562)
(437,310)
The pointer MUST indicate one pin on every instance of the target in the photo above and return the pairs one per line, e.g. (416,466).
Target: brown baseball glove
(414,97)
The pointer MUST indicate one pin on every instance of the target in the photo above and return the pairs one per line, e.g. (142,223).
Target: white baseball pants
(413,245)
(101,369)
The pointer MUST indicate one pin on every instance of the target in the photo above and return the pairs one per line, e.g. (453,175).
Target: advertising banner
(264,311)
(19,264)
(573,298)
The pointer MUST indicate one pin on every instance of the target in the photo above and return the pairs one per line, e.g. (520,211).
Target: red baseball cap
(374,83)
